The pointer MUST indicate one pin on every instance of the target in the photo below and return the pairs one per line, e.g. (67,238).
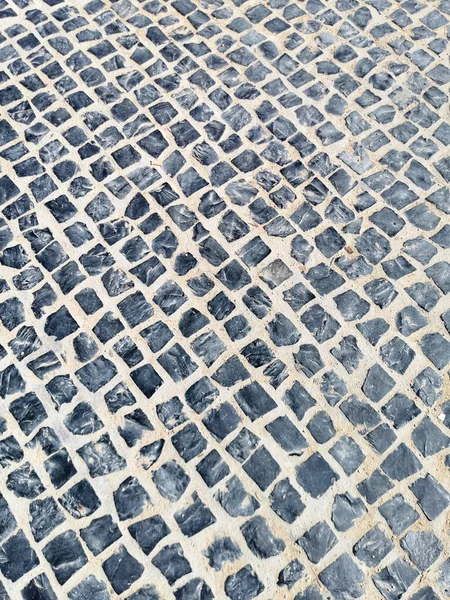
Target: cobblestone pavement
(224,299)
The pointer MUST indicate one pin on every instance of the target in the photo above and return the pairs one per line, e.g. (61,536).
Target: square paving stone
(122,570)
(17,557)
(245,583)
(262,468)
(315,475)
(149,533)
(100,534)
(318,541)
(348,454)
(286,502)
(422,547)
(343,577)
(432,497)
(172,563)
(394,580)
(373,547)
(65,555)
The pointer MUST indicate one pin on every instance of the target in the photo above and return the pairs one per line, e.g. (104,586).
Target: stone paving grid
(224,307)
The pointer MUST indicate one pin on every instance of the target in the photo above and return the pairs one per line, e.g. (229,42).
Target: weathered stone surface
(260,539)
(317,541)
(401,463)
(346,509)
(65,555)
(343,578)
(243,584)
(432,497)
(423,548)
(395,579)
(171,562)
(398,514)
(373,547)
(290,574)
(224,280)
(122,570)
(316,476)
(17,557)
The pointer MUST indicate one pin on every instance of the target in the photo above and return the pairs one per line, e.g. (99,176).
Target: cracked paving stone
(432,497)
(394,580)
